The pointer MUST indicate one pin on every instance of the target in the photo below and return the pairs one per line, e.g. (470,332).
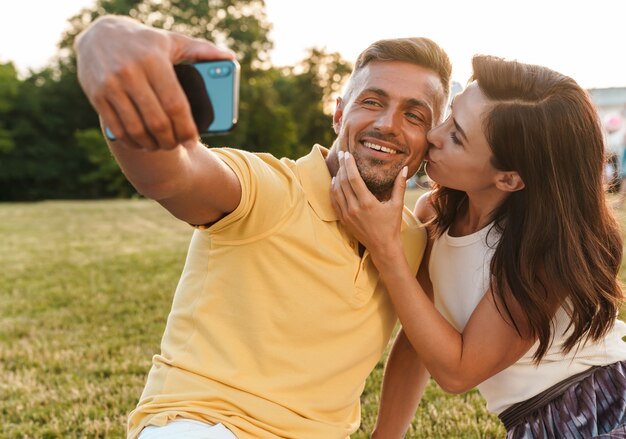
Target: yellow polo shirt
(277,321)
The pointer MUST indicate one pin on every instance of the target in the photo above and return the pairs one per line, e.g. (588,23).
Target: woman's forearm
(438,344)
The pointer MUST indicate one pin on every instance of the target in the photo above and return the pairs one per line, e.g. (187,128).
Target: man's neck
(332,161)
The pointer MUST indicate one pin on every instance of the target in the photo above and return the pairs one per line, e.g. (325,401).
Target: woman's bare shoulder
(424,210)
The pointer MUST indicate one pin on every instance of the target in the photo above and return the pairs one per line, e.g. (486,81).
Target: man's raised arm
(126,71)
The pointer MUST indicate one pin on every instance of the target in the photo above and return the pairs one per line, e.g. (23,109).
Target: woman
(518,291)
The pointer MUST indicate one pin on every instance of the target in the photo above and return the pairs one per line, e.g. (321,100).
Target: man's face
(383,121)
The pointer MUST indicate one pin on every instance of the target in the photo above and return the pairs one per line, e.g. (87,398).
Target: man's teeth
(379,148)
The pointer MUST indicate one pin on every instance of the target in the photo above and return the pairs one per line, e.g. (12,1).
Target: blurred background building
(611,105)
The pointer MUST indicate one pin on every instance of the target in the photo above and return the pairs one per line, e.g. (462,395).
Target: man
(279,317)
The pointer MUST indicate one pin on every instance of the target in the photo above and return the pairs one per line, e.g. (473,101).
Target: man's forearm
(191,182)
(154,174)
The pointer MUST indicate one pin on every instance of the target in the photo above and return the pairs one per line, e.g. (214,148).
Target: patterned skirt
(590,404)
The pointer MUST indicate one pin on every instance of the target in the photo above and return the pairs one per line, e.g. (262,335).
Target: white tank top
(459,271)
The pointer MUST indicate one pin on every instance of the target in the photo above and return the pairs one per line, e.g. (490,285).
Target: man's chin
(378,178)
(381,190)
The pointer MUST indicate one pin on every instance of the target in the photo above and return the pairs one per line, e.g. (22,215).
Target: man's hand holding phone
(126,70)
(212,90)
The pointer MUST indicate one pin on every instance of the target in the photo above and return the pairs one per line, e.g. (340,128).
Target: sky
(583,39)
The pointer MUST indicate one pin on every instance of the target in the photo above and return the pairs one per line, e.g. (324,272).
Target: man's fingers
(127,68)
(186,48)
(128,142)
(133,128)
(109,121)
(174,104)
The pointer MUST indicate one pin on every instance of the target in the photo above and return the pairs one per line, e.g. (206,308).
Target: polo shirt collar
(315,179)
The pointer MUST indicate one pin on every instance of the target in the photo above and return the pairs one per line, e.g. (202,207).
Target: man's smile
(378,147)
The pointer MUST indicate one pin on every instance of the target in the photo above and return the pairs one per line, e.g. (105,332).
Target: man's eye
(415,117)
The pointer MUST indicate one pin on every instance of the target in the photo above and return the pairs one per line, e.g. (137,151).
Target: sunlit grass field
(85,289)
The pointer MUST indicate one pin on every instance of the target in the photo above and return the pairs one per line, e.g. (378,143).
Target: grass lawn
(85,291)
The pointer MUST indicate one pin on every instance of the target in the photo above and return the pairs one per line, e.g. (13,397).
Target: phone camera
(219,71)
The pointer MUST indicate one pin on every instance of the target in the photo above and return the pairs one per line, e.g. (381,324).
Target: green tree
(265,124)
(282,110)
(105,174)
(309,90)
(9,89)
(43,162)
(241,25)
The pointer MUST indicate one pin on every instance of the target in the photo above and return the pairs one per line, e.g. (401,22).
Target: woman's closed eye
(455,138)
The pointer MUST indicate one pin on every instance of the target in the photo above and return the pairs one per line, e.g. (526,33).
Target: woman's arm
(403,386)
(457,360)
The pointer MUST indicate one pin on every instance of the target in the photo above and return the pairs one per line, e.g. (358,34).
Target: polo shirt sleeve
(269,192)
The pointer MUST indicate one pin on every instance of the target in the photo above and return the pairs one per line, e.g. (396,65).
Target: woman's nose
(434,137)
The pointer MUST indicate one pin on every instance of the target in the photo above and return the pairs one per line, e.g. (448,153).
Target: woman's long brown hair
(560,243)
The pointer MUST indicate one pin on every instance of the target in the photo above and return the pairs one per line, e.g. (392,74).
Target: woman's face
(459,156)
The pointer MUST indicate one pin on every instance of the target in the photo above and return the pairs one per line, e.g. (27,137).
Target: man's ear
(509,181)
(338,115)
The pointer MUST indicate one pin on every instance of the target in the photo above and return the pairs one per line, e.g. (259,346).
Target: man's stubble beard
(378,179)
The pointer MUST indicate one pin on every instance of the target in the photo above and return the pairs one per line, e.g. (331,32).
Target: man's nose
(387,121)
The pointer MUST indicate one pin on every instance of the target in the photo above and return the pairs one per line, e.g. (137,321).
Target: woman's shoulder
(424,210)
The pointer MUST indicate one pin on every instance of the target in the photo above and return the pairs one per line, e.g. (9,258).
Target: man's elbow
(157,190)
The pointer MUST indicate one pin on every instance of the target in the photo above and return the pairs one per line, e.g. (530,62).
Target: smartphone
(212,89)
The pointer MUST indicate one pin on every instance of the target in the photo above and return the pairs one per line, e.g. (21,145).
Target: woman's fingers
(337,198)
(399,186)
(354,178)
(343,198)
(342,193)
(371,221)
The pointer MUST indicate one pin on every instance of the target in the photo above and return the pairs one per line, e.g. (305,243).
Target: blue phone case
(221,81)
